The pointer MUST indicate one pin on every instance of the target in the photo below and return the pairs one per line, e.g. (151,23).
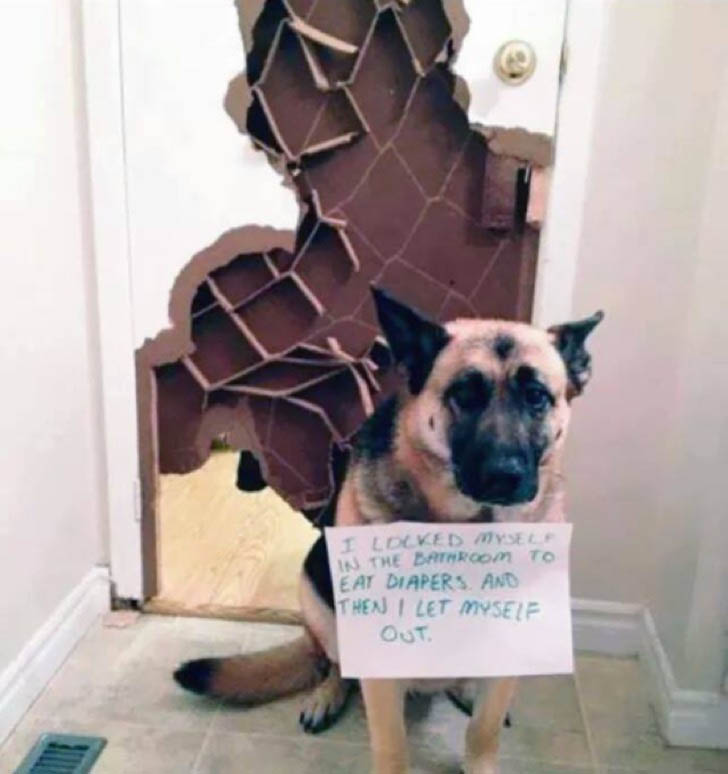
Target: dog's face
(490,399)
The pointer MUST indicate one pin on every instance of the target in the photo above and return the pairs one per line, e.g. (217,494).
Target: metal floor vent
(62,754)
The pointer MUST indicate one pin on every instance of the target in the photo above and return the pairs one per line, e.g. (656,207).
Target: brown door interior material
(274,343)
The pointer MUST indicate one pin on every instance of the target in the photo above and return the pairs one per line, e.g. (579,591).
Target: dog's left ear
(569,339)
(415,340)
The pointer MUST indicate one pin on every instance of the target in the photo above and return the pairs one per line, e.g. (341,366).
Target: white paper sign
(461,600)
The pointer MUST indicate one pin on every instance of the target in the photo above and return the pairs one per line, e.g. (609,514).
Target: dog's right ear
(415,340)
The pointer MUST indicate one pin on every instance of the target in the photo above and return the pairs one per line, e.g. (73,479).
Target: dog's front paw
(324,705)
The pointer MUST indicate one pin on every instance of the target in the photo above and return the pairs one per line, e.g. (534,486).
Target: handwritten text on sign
(461,600)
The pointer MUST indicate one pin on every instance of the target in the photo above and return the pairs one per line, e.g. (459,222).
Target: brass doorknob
(514,62)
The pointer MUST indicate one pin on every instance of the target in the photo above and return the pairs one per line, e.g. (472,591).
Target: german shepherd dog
(476,435)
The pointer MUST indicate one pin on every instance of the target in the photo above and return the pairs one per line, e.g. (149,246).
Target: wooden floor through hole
(227,553)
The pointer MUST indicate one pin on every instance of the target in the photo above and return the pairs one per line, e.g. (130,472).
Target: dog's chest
(388,498)
(428,686)
(406,502)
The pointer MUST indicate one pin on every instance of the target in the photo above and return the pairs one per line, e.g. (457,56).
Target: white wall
(51,485)
(648,448)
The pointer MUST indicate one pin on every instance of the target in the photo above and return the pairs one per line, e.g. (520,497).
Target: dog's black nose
(498,477)
(503,477)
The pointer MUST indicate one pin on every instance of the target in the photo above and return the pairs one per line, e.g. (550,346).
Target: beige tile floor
(117,684)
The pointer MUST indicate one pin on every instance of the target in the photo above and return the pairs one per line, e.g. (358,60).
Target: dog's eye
(536,397)
(469,393)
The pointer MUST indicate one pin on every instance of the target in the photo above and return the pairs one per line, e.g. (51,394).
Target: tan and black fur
(477,435)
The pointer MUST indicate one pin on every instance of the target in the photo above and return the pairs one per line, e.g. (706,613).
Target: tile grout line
(596,764)
(205,742)
(300,737)
(177,625)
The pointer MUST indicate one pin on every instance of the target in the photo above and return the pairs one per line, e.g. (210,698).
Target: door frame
(110,218)
(555,272)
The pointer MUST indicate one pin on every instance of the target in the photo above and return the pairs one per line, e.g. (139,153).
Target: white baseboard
(26,677)
(609,628)
(686,718)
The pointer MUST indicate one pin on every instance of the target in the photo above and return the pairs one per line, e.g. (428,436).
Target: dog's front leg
(384,702)
(483,734)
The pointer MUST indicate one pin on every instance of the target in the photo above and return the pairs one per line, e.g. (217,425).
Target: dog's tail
(256,677)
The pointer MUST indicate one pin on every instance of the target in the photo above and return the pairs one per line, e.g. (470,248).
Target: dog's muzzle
(505,478)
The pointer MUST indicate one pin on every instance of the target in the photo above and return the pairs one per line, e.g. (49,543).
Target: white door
(171,172)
